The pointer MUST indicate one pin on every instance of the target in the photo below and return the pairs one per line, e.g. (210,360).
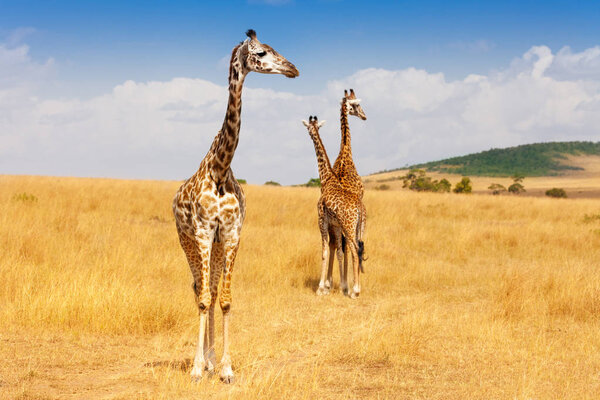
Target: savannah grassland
(464,297)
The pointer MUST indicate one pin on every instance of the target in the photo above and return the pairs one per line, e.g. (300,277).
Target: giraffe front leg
(230,248)
(198,252)
(216,268)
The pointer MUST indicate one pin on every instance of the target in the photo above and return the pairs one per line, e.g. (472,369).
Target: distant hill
(537,159)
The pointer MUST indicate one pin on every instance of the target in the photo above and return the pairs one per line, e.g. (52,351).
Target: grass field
(464,297)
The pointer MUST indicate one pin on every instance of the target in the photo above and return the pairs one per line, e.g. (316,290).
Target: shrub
(556,192)
(272,183)
(25,198)
(497,188)
(241,181)
(443,186)
(464,186)
(416,180)
(382,187)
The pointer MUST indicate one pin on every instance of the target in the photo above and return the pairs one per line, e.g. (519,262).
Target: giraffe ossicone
(210,207)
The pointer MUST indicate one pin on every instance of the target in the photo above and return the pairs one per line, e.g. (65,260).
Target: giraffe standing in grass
(341,210)
(209,207)
(345,170)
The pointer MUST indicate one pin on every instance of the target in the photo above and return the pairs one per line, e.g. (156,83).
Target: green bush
(443,186)
(272,183)
(556,192)
(464,186)
(241,181)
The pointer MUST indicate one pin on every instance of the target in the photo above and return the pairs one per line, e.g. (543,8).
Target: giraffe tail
(361,255)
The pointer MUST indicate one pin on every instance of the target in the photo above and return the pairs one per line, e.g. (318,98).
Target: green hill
(537,159)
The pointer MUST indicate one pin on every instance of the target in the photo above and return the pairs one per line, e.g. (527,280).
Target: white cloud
(163,129)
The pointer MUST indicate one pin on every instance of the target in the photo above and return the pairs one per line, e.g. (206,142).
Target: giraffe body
(210,206)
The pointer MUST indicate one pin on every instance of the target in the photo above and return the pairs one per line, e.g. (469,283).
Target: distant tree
(517,187)
(464,186)
(241,181)
(496,188)
(272,183)
(556,192)
(410,179)
(313,182)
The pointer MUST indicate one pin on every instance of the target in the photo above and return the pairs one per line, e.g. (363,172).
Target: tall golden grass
(463,297)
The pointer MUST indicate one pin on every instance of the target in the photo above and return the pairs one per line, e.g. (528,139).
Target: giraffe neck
(325,171)
(345,145)
(225,143)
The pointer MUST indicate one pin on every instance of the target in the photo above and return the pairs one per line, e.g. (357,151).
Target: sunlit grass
(463,296)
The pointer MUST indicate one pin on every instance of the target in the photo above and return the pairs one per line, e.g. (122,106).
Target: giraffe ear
(354,101)
(320,124)
(305,123)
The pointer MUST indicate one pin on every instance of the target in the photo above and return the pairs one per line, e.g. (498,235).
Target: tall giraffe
(341,211)
(344,166)
(209,207)
(345,170)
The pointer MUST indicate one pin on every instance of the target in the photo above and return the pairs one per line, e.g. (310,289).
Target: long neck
(325,171)
(345,145)
(224,145)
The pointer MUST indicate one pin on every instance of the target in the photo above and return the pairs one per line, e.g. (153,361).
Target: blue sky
(72,57)
(101,44)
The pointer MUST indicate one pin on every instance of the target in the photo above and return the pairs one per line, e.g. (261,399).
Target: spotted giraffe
(210,206)
(345,170)
(341,211)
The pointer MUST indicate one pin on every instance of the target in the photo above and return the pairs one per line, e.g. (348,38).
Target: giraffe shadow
(180,365)
(311,282)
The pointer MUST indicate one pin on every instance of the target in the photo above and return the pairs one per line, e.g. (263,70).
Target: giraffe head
(313,125)
(353,106)
(260,57)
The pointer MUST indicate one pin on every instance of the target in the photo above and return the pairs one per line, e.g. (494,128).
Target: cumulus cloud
(162,130)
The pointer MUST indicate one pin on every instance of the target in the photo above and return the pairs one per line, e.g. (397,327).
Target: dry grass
(464,297)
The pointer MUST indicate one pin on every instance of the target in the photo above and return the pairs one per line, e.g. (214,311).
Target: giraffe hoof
(196,373)
(321,291)
(354,295)
(227,375)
